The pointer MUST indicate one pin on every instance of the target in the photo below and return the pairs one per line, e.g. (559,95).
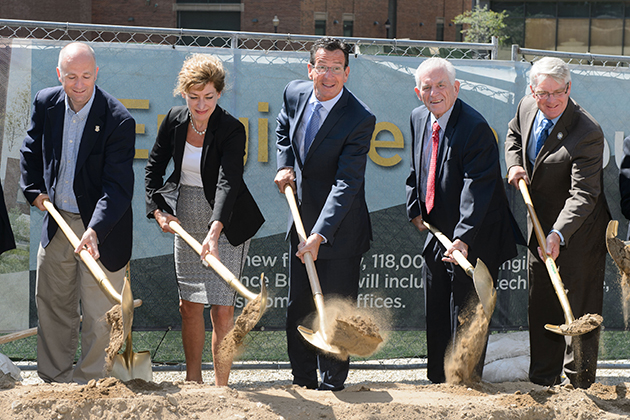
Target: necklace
(201,133)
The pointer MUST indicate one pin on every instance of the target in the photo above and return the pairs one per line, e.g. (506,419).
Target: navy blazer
(221,172)
(331,181)
(103,182)
(470,201)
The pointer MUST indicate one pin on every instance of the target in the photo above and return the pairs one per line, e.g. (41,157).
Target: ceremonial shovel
(484,285)
(572,327)
(317,338)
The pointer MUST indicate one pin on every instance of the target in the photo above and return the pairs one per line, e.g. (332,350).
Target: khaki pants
(66,289)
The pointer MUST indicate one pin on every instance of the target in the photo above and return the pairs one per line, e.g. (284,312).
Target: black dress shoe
(325,387)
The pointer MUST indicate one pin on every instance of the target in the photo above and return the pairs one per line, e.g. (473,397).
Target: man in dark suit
(557,147)
(455,184)
(624,182)
(324,134)
(78,153)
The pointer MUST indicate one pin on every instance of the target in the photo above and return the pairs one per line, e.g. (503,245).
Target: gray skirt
(197,283)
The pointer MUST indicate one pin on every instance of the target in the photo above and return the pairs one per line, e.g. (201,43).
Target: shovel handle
(214,262)
(87,258)
(459,257)
(552,268)
(299,227)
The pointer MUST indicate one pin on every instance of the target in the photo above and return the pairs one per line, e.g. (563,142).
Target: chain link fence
(491,86)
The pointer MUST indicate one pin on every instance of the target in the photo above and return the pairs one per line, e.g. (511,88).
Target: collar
(83,112)
(329,104)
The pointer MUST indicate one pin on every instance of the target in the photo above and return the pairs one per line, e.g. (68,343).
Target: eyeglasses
(557,94)
(324,69)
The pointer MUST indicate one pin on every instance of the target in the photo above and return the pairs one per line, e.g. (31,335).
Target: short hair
(330,44)
(83,45)
(199,70)
(552,67)
(436,63)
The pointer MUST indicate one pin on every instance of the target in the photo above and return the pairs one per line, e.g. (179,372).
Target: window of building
(599,27)
(348,26)
(320,27)
(439,33)
(459,37)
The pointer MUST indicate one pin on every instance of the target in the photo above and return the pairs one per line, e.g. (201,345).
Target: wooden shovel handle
(459,257)
(216,265)
(299,227)
(87,258)
(552,268)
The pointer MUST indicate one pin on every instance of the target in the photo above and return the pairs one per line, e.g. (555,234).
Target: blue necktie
(542,136)
(312,127)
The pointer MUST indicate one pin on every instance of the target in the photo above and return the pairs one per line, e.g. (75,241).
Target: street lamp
(276,22)
(387,26)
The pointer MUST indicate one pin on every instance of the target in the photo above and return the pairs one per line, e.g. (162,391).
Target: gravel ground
(247,378)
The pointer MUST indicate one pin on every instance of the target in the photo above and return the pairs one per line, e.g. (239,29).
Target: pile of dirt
(112,399)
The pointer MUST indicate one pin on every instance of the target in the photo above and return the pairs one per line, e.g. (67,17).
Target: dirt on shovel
(581,325)
(352,332)
(116,335)
(247,320)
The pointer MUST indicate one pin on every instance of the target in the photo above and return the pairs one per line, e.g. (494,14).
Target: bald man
(78,153)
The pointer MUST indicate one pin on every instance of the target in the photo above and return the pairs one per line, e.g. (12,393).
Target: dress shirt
(308,109)
(539,124)
(427,148)
(73,126)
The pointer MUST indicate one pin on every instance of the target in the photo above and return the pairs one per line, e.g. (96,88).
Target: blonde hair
(199,70)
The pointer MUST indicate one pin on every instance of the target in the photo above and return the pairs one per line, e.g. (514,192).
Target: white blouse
(191,166)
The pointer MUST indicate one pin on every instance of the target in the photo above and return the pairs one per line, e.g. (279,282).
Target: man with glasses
(323,137)
(557,148)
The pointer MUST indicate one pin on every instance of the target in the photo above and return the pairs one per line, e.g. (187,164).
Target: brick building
(412,19)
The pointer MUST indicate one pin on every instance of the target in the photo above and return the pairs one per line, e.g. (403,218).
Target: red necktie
(435,138)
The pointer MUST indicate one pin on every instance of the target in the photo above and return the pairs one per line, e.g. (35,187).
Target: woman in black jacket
(206,194)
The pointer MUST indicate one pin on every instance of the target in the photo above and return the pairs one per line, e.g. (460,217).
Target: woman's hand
(210,244)
(163,219)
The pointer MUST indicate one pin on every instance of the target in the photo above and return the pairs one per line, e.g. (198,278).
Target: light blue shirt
(73,126)
(531,147)
(533,136)
(323,113)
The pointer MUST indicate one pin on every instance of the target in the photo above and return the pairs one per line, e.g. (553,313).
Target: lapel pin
(560,135)
(97,128)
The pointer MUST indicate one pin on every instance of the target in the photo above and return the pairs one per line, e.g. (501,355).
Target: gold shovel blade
(317,339)
(617,249)
(130,365)
(484,285)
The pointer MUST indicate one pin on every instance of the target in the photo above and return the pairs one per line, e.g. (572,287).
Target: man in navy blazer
(324,134)
(468,203)
(78,153)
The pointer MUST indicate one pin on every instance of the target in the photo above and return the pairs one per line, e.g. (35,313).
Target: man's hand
(457,245)
(163,219)
(515,174)
(39,201)
(89,241)
(417,222)
(552,245)
(311,245)
(285,177)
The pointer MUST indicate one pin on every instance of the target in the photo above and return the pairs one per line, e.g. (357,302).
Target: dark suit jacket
(624,179)
(103,183)
(7,240)
(221,172)
(470,201)
(566,182)
(331,181)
